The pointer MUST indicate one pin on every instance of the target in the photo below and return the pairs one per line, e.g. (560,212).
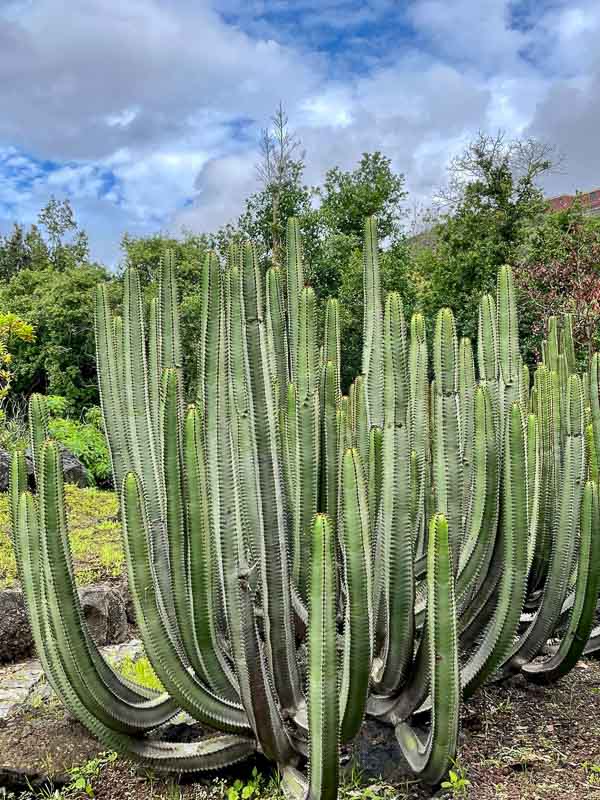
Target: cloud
(147,114)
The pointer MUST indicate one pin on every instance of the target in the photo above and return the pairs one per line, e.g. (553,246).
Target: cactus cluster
(298,557)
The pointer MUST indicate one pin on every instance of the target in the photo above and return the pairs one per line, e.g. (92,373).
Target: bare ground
(517,741)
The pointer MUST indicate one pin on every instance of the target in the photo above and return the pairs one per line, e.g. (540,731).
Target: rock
(105,614)
(123,589)
(15,636)
(73,470)
(4,470)
(103,607)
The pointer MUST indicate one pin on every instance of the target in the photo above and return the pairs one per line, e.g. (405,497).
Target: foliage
(558,272)
(87,442)
(31,250)
(250,790)
(60,306)
(12,328)
(140,671)
(491,199)
(457,783)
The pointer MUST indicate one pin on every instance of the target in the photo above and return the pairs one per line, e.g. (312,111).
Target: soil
(517,741)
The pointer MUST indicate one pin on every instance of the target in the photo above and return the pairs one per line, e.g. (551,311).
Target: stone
(104,611)
(5,459)
(16,641)
(4,470)
(104,608)
(73,470)
(123,588)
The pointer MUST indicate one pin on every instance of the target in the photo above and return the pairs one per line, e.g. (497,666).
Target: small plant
(83,777)
(457,784)
(592,771)
(245,791)
(140,670)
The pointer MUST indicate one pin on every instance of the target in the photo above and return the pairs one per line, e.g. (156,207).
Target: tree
(282,193)
(12,329)
(58,219)
(491,198)
(60,306)
(346,199)
(558,271)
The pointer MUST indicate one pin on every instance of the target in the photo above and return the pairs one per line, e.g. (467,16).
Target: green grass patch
(94,535)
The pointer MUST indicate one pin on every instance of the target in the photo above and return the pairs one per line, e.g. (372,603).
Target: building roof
(590,201)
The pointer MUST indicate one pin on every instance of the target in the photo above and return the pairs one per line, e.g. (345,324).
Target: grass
(140,670)
(94,534)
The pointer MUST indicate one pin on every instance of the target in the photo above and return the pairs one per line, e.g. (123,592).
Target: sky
(147,114)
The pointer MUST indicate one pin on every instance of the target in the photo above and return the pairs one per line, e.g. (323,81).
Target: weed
(246,791)
(457,784)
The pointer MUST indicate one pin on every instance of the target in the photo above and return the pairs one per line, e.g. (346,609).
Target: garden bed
(517,741)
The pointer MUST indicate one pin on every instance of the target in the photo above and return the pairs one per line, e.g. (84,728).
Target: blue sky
(147,114)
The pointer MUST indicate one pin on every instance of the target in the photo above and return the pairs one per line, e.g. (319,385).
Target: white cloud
(142,106)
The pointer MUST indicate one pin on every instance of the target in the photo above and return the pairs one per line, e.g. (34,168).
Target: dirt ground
(517,741)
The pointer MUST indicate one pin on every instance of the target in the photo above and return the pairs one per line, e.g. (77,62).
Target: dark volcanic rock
(16,641)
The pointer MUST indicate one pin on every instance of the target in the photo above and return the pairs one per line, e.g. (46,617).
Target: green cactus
(397,533)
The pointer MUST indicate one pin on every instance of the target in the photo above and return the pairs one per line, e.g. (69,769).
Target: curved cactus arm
(374,473)
(179,470)
(215,669)
(394,592)
(307,438)
(323,695)
(566,521)
(482,511)
(500,632)
(17,485)
(276,331)
(256,687)
(109,359)
(38,430)
(66,619)
(358,622)
(188,691)
(171,356)
(274,540)
(593,643)
(372,356)
(586,596)
(329,450)
(294,286)
(331,340)
(418,423)
(38,425)
(431,759)
(359,419)
(508,335)
(466,392)
(534,484)
(154,365)
(447,435)
(211,753)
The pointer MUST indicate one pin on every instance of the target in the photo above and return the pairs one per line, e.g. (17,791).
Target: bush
(85,439)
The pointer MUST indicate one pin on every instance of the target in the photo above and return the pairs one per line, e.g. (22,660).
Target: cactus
(396,533)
